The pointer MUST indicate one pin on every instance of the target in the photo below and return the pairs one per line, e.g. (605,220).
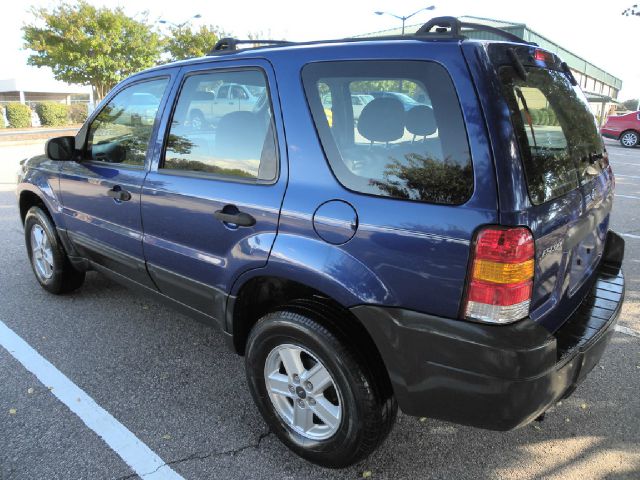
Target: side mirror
(61,148)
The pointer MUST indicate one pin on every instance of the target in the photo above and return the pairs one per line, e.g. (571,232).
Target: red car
(625,128)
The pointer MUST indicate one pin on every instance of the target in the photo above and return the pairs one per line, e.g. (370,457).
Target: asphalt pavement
(172,383)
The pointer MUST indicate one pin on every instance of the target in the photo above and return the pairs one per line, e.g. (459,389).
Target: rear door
(568,178)
(211,203)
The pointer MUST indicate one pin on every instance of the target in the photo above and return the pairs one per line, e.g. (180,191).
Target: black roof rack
(228,44)
(451,27)
(439,27)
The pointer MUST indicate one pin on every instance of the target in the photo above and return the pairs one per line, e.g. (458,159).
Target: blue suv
(452,257)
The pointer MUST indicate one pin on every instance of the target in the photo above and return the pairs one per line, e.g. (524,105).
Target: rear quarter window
(392,129)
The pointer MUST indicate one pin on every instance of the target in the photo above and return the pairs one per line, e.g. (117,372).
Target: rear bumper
(495,377)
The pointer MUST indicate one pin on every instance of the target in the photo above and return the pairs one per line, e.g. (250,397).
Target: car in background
(407,102)
(358,102)
(206,107)
(624,128)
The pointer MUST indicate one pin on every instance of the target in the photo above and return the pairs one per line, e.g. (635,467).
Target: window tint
(392,128)
(556,130)
(122,130)
(222,137)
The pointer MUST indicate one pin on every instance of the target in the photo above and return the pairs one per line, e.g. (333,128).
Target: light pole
(406,17)
(179,25)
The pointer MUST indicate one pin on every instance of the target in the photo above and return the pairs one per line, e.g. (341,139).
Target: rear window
(558,135)
(392,128)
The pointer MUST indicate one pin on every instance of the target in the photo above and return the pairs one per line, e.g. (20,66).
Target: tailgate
(568,178)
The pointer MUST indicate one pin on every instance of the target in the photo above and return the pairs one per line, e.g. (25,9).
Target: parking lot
(176,388)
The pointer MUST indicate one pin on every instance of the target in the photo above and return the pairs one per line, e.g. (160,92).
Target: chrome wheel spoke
(302,417)
(47,255)
(278,384)
(327,412)
(292,361)
(319,378)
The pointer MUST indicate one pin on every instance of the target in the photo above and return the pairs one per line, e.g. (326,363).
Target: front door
(101,193)
(211,202)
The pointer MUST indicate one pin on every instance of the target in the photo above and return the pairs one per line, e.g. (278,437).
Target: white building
(41,88)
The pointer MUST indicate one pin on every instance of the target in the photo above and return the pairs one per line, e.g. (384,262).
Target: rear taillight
(501,276)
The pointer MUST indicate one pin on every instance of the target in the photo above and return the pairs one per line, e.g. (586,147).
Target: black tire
(64,277)
(630,139)
(368,413)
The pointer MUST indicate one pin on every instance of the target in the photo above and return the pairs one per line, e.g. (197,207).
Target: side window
(223,91)
(232,140)
(122,130)
(392,128)
(239,93)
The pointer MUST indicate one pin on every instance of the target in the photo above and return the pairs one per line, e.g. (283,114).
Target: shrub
(553,120)
(78,113)
(52,114)
(535,116)
(18,115)
(2,125)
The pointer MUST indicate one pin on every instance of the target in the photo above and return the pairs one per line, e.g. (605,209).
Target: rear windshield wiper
(527,114)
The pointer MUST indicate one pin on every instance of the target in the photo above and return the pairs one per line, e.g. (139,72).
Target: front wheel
(315,392)
(48,259)
(629,139)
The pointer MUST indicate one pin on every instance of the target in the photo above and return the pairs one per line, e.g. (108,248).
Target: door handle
(231,215)
(117,193)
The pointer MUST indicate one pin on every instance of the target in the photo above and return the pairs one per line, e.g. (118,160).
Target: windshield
(556,130)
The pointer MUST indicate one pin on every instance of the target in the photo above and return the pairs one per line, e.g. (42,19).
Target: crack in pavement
(204,456)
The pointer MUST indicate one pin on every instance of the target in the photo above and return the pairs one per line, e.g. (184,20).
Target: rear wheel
(48,259)
(316,393)
(629,139)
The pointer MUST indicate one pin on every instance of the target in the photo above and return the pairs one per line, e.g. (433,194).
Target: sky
(595,30)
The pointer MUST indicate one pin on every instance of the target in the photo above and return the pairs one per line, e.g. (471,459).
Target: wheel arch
(264,294)
(28,199)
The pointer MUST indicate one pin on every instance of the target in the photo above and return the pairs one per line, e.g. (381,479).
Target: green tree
(631,104)
(90,46)
(185,43)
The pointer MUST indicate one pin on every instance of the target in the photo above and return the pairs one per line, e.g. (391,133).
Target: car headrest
(238,137)
(420,120)
(382,120)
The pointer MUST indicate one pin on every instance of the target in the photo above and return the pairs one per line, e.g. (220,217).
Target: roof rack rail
(231,44)
(455,27)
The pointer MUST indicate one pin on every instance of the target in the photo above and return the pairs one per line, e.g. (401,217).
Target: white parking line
(628,196)
(615,163)
(627,176)
(631,235)
(627,331)
(130,448)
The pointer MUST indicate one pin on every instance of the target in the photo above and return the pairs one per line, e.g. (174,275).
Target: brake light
(501,277)
(542,56)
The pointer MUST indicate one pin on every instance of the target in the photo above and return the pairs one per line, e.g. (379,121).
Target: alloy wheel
(303,392)
(42,253)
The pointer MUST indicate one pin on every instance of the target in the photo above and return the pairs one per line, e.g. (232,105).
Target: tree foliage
(185,43)
(631,104)
(90,46)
